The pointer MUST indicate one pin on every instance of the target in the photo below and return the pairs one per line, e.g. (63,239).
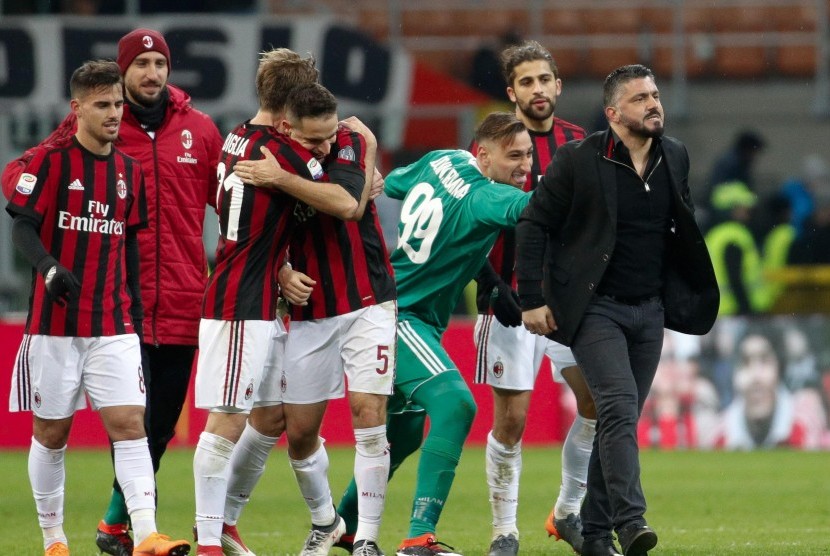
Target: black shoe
(637,540)
(114,539)
(599,547)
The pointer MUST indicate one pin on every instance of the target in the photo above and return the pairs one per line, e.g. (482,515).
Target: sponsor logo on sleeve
(315,168)
(346,153)
(26,184)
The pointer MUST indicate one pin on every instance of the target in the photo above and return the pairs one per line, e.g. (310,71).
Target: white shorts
(239,365)
(510,357)
(51,374)
(360,343)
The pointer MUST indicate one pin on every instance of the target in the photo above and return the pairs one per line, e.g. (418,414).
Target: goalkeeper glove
(505,305)
(61,285)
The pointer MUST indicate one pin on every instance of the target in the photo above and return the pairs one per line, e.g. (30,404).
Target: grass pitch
(700,503)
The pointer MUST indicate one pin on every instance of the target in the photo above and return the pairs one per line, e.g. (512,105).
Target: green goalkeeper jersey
(450,218)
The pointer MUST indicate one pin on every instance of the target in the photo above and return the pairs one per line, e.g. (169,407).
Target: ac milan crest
(498,368)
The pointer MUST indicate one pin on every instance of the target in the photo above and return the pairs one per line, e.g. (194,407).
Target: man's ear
(511,94)
(611,114)
(483,158)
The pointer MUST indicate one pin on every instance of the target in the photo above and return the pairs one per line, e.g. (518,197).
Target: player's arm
(14,169)
(295,286)
(503,300)
(340,172)
(61,285)
(133,281)
(267,172)
(213,150)
(547,208)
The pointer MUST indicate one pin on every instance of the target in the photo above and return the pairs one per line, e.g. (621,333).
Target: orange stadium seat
(612,21)
(569,61)
(601,61)
(740,62)
(561,21)
(796,60)
(741,19)
(657,19)
(802,18)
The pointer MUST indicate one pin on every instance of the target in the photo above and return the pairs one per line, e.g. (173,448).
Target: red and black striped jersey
(503,255)
(84,204)
(348,260)
(255,224)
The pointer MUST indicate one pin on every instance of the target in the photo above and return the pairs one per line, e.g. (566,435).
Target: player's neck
(93,145)
(264,117)
(538,126)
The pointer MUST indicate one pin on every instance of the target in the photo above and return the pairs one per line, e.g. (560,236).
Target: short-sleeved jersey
(84,204)
(503,255)
(450,217)
(348,260)
(254,227)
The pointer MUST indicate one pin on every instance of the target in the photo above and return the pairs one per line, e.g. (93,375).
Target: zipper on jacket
(158,238)
(648,177)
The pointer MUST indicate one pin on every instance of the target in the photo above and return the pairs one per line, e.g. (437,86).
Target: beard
(639,128)
(147,101)
(532,113)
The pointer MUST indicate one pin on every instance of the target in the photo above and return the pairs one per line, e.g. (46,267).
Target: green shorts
(420,358)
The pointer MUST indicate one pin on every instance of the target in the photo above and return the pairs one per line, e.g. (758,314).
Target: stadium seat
(796,60)
(740,62)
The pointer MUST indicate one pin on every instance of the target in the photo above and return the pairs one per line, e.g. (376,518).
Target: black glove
(138,326)
(61,284)
(505,304)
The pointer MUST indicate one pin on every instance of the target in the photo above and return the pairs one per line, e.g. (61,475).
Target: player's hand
(377,185)
(265,172)
(61,285)
(505,304)
(357,126)
(295,286)
(539,321)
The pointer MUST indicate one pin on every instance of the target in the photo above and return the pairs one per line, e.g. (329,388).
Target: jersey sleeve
(213,148)
(499,205)
(31,194)
(347,162)
(14,169)
(137,217)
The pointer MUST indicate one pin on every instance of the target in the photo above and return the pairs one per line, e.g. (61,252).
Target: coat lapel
(608,177)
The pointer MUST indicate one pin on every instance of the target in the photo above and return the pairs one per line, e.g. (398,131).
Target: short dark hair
(93,75)
(310,100)
(527,51)
(619,77)
(500,127)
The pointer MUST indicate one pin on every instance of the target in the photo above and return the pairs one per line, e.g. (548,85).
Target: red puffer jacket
(180,179)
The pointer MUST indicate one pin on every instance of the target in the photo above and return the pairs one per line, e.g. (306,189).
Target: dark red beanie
(138,42)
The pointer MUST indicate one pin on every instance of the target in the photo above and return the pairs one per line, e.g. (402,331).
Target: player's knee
(268,421)
(452,409)
(585,407)
(368,410)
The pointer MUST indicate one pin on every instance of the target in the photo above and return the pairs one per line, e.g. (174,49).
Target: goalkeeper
(454,206)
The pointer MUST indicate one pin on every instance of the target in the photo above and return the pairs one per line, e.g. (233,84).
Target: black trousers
(166,376)
(618,348)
